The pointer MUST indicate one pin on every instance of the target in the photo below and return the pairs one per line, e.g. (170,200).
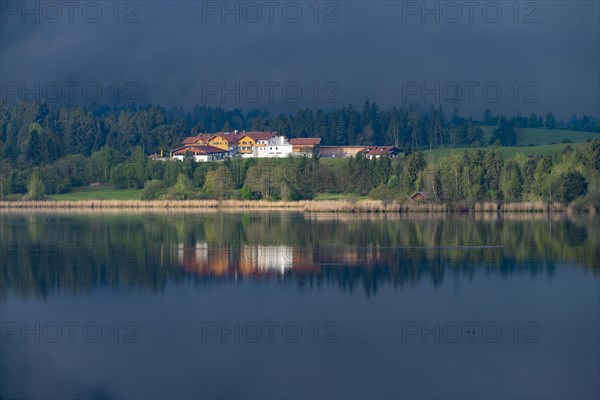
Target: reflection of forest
(42,252)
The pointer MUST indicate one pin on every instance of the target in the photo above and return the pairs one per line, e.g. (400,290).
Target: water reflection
(172,280)
(43,252)
(249,260)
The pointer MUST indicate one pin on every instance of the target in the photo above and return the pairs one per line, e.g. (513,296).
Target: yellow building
(249,140)
(225,141)
(246,144)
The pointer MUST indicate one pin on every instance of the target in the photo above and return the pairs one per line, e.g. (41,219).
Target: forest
(47,150)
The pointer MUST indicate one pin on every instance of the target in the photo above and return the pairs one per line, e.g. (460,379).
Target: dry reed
(313,206)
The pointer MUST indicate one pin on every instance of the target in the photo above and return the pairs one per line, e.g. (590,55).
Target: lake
(291,305)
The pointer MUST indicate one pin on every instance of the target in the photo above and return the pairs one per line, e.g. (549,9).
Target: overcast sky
(279,56)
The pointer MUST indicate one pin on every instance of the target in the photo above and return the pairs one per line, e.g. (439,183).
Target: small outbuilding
(421,196)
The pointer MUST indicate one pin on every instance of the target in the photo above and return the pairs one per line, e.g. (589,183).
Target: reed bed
(310,206)
(153,204)
(533,206)
(372,206)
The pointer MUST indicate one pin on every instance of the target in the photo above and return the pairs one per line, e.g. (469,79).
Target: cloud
(176,53)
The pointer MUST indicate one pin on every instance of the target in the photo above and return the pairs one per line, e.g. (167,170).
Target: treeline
(33,134)
(462,178)
(48,150)
(468,177)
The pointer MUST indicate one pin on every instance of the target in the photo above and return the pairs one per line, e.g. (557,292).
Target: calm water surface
(288,305)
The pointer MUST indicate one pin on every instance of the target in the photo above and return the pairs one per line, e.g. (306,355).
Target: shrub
(570,186)
(381,192)
(153,189)
(247,193)
(35,188)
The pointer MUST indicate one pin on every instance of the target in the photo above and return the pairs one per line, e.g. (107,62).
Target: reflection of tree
(42,253)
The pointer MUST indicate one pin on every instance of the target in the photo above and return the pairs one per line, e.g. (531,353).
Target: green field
(99,193)
(507,152)
(535,136)
(526,137)
(338,196)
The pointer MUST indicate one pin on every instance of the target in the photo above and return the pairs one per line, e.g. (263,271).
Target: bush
(247,193)
(393,182)
(35,188)
(567,140)
(153,189)
(570,186)
(382,192)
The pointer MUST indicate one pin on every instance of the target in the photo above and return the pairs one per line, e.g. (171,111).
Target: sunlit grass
(338,196)
(98,193)
(507,152)
(539,136)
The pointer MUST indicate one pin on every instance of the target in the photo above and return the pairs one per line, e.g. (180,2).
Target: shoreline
(313,206)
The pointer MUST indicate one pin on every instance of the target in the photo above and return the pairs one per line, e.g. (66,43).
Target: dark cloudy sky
(532,57)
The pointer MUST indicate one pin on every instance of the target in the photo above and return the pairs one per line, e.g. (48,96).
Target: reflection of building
(269,258)
(207,260)
(256,260)
(204,260)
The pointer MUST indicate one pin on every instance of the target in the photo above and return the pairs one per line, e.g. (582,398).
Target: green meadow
(99,193)
(538,136)
(507,152)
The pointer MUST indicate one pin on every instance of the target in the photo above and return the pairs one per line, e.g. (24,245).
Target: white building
(275,147)
(279,147)
(199,153)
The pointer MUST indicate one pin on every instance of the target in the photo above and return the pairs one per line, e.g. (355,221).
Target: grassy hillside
(535,136)
(507,152)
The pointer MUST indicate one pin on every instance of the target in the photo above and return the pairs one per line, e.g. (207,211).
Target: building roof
(198,149)
(305,141)
(353,147)
(380,150)
(193,139)
(258,135)
(426,195)
(228,136)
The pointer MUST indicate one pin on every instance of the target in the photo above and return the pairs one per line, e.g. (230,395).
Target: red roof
(305,141)
(190,139)
(229,137)
(259,135)
(193,139)
(198,149)
(380,150)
